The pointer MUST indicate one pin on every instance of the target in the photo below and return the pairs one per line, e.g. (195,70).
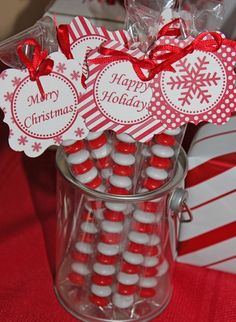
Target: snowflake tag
(117,99)
(202,88)
(35,123)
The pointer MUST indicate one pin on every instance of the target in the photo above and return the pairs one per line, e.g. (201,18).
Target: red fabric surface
(27,233)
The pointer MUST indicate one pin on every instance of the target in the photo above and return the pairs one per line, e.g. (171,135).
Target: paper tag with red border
(202,88)
(36,123)
(116,99)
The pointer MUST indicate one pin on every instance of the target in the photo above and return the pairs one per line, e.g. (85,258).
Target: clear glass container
(115,253)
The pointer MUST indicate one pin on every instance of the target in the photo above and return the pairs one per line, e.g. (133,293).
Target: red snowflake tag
(202,88)
(35,122)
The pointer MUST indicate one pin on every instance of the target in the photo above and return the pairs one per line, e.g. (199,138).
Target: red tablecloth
(27,224)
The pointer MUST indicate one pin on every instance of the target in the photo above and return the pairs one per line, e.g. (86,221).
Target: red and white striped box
(210,239)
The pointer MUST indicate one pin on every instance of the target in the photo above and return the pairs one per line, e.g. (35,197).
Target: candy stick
(161,160)
(143,247)
(100,151)
(83,170)
(112,226)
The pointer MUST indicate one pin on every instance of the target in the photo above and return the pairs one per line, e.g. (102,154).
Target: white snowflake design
(193,81)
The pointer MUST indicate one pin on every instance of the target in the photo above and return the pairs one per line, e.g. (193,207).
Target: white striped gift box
(210,239)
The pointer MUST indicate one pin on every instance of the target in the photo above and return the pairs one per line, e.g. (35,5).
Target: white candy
(148,282)
(116,206)
(173,132)
(121,182)
(104,270)
(78,157)
(80,268)
(127,279)
(139,238)
(109,250)
(112,227)
(144,216)
(102,152)
(102,291)
(89,227)
(150,261)
(154,240)
(106,173)
(162,151)
(123,159)
(135,259)
(125,138)
(88,176)
(93,135)
(163,268)
(84,247)
(68,142)
(156,174)
(123,301)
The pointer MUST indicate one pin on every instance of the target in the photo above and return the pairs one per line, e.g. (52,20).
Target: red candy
(113,215)
(102,280)
(147,292)
(165,139)
(103,163)
(80,257)
(142,228)
(96,182)
(87,238)
(110,238)
(98,142)
(104,259)
(123,170)
(118,191)
(99,301)
(136,248)
(82,167)
(87,216)
(127,148)
(149,271)
(126,289)
(77,146)
(149,206)
(76,278)
(152,184)
(130,268)
(162,163)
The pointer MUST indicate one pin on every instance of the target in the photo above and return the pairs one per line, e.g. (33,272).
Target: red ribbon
(39,65)
(170,30)
(138,64)
(64,40)
(175,53)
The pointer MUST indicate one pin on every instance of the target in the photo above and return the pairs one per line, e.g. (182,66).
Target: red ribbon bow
(175,53)
(63,40)
(139,65)
(39,65)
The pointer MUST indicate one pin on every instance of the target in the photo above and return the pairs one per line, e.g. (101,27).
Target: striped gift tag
(210,239)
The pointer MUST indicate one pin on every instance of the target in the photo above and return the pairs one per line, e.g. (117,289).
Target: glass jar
(115,253)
